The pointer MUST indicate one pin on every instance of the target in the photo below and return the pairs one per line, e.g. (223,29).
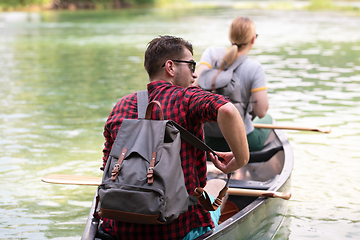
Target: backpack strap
(232,68)
(238,62)
(213,90)
(214,78)
(199,193)
(142,102)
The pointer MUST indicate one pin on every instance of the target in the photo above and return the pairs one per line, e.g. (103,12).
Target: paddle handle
(314,129)
(259,193)
(95,181)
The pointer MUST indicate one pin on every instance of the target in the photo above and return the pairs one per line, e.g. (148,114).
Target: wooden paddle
(314,129)
(259,193)
(72,179)
(95,181)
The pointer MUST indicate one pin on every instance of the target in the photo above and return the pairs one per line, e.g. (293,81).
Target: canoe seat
(264,155)
(229,210)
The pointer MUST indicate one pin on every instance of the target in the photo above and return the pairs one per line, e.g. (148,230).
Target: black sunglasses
(192,64)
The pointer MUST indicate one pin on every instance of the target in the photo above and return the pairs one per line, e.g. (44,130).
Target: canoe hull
(261,220)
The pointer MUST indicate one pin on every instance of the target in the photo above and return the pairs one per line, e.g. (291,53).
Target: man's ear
(169,67)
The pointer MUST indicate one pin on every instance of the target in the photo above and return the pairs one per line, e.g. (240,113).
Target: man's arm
(107,146)
(232,128)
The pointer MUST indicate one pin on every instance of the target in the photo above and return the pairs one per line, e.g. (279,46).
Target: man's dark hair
(161,49)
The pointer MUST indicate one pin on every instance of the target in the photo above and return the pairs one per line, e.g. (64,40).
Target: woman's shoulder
(251,64)
(212,54)
(216,50)
(251,69)
(251,61)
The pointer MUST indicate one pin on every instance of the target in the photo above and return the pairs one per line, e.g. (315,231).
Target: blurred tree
(71,4)
(12,4)
(321,4)
(89,4)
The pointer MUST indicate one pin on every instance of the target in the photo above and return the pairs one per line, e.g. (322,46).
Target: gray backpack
(226,83)
(143,180)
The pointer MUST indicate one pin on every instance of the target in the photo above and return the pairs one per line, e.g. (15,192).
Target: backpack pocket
(135,204)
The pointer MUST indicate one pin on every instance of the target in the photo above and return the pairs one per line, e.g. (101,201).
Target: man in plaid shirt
(171,69)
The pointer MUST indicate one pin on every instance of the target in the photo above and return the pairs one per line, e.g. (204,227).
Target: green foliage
(142,1)
(330,5)
(22,3)
(321,4)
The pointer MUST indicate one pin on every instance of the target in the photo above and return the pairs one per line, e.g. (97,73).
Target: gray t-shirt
(252,78)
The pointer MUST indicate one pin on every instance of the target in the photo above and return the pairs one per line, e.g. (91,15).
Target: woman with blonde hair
(251,95)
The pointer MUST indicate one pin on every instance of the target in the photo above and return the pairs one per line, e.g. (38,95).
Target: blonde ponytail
(229,57)
(242,30)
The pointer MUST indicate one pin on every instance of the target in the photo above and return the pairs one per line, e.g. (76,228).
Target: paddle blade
(324,129)
(72,179)
(259,193)
(283,195)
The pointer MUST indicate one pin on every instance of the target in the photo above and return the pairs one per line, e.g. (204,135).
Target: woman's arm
(260,103)
(199,70)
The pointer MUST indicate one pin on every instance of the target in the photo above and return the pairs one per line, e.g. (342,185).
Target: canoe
(258,217)
(247,217)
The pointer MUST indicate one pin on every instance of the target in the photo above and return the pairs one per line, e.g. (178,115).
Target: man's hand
(223,163)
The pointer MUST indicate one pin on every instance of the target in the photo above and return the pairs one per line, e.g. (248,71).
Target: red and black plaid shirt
(190,107)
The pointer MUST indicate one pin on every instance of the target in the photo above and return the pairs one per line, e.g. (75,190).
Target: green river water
(61,73)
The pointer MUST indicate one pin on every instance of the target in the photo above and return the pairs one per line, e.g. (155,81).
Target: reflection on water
(61,76)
